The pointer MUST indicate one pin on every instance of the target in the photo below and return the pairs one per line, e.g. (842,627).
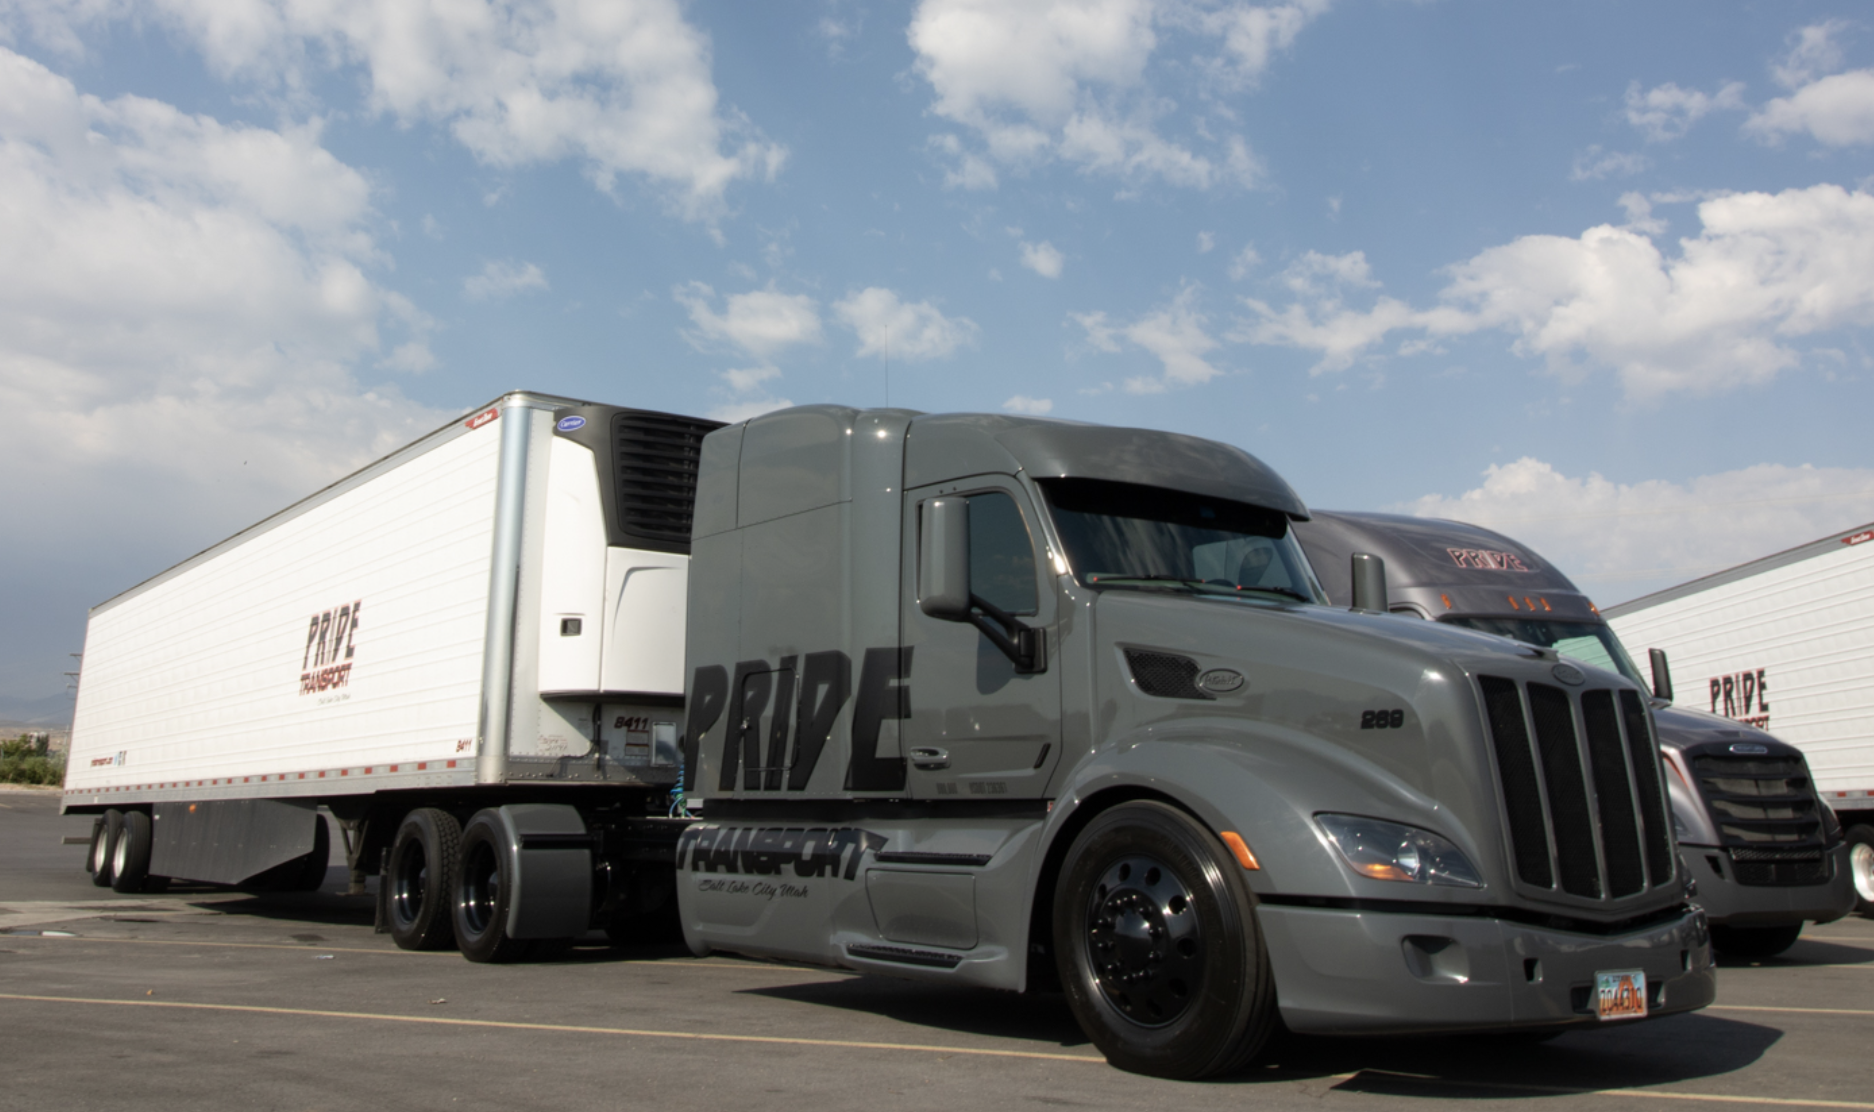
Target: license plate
(1620,995)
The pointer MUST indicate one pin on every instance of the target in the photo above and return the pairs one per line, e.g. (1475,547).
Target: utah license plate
(1620,994)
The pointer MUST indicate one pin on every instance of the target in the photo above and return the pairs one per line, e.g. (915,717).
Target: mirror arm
(1020,643)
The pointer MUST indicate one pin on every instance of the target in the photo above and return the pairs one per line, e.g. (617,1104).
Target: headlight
(1389,851)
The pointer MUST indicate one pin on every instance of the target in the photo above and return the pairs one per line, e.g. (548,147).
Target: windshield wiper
(1288,592)
(1208,585)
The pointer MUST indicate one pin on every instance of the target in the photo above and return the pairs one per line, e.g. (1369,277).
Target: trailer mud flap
(550,858)
(231,840)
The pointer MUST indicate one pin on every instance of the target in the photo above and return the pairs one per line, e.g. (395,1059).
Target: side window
(1002,559)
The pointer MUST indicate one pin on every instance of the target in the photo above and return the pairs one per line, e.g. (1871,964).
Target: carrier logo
(1484,559)
(780,717)
(1740,696)
(331,640)
(768,850)
(571,424)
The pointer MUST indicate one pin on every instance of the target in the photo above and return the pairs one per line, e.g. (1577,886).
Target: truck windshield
(1586,641)
(1149,538)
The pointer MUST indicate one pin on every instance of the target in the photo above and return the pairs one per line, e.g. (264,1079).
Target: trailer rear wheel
(1159,950)
(130,857)
(484,892)
(423,864)
(104,846)
(1861,868)
(1753,942)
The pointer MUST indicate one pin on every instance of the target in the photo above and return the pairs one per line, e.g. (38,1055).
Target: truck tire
(1753,942)
(104,845)
(482,894)
(1159,950)
(1861,868)
(130,857)
(423,865)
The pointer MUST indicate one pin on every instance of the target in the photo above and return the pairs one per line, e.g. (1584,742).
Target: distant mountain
(51,712)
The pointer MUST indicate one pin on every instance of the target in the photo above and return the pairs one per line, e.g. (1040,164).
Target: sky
(1599,275)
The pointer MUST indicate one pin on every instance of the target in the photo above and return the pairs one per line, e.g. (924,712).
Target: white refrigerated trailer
(487,620)
(1786,644)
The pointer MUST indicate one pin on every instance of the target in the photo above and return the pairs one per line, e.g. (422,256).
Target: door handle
(929,758)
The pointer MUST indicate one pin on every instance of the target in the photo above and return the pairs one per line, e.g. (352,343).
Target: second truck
(1765,851)
(977,699)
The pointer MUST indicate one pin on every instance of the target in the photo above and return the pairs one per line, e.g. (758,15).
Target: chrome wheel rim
(481,888)
(1861,864)
(407,894)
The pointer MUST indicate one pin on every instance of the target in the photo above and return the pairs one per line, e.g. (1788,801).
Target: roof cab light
(1390,851)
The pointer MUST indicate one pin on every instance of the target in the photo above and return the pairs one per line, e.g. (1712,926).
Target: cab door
(977,726)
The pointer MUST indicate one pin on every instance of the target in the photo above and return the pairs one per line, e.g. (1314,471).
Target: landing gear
(1159,950)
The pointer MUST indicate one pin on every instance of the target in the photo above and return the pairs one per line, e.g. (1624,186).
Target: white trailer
(489,618)
(1785,643)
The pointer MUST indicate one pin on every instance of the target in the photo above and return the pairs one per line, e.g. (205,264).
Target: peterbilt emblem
(1568,674)
(1749,749)
(1220,681)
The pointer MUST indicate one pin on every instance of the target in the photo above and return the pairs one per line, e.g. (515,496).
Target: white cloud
(1837,111)
(1766,270)
(1042,258)
(744,408)
(1176,333)
(1035,80)
(1032,407)
(1244,261)
(1206,243)
(623,86)
(1666,112)
(1594,164)
(183,309)
(897,329)
(1812,52)
(1618,540)
(503,278)
(1314,272)
(761,322)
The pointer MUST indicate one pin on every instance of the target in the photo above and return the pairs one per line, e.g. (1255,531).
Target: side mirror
(1662,675)
(1369,583)
(943,566)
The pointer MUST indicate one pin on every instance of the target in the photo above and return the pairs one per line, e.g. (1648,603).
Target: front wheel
(1861,868)
(1753,942)
(1159,950)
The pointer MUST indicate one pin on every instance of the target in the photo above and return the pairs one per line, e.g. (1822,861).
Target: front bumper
(1728,903)
(1350,972)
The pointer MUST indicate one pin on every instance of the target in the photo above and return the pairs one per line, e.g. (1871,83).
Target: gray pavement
(218,1000)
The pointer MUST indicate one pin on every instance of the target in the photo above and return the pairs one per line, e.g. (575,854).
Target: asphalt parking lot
(219,1000)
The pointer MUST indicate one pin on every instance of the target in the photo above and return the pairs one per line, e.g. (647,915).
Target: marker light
(1512,599)
(1390,851)
(1240,850)
(1447,601)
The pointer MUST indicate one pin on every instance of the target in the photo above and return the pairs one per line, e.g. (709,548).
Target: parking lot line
(668,963)
(564,1028)
(1643,1094)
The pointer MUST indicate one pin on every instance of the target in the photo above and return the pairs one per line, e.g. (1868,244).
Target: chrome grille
(1765,811)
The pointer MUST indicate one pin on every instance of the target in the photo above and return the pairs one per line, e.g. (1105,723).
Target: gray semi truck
(1009,702)
(977,699)
(1766,852)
